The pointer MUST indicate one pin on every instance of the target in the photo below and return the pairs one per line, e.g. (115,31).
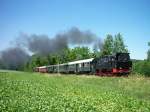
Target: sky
(129,17)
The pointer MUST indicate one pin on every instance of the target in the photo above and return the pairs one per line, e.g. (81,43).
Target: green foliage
(52,59)
(96,53)
(142,67)
(108,45)
(112,46)
(35,61)
(119,45)
(76,53)
(33,92)
(81,53)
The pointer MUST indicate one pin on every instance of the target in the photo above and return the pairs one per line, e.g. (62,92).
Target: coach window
(107,59)
(86,64)
(112,59)
(104,59)
(79,64)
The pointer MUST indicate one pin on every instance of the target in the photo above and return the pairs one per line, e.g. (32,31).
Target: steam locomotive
(109,65)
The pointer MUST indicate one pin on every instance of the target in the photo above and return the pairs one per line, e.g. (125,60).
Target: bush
(142,67)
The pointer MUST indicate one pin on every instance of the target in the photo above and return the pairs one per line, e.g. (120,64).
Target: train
(118,64)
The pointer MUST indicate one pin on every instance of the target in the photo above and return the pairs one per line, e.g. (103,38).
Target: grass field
(21,91)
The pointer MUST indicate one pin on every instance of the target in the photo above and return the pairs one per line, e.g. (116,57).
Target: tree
(119,45)
(43,60)
(96,53)
(81,53)
(65,55)
(148,52)
(107,48)
(32,63)
(52,59)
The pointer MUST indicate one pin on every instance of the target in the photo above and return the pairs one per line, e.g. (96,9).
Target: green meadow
(35,92)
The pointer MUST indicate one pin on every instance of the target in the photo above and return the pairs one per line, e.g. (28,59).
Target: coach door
(77,68)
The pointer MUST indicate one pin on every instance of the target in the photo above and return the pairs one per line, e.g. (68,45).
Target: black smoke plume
(13,58)
(75,36)
(42,44)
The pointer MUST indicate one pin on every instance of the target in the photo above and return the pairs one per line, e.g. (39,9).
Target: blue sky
(129,17)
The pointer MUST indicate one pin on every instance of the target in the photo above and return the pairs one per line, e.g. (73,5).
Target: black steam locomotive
(118,64)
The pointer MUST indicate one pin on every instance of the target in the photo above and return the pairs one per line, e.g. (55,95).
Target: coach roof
(81,61)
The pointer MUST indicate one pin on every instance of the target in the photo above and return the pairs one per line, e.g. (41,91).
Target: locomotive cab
(123,63)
